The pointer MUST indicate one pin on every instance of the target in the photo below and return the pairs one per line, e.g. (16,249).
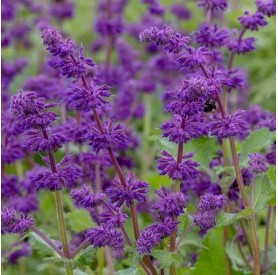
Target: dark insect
(210,106)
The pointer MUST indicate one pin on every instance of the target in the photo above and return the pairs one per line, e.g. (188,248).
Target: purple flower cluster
(208,209)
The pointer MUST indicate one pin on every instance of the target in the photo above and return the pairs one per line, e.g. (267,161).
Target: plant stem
(82,246)
(109,260)
(189,228)
(121,176)
(100,260)
(59,210)
(252,222)
(243,255)
(266,243)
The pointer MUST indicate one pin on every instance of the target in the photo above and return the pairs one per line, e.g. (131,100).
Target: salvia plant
(136,148)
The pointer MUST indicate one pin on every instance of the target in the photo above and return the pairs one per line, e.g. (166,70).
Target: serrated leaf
(79,220)
(85,257)
(210,261)
(235,257)
(225,219)
(263,192)
(40,245)
(133,256)
(255,142)
(167,258)
(185,221)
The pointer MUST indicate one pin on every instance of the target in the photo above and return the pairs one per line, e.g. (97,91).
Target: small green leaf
(255,142)
(263,192)
(225,219)
(167,258)
(133,256)
(272,174)
(79,220)
(40,245)
(185,221)
(85,257)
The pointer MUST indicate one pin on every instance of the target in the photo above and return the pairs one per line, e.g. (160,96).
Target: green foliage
(79,220)
(40,245)
(130,271)
(263,192)
(133,256)
(224,219)
(235,257)
(167,258)
(85,257)
(255,142)
(211,259)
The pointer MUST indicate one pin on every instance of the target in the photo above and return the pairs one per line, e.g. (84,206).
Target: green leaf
(255,142)
(185,221)
(235,257)
(85,257)
(210,261)
(79,220)
(129,271)
(192,238)
(167,258)
(205,149)
(263,192)
(40,245)
(133,256)
(225,219)
(272,174)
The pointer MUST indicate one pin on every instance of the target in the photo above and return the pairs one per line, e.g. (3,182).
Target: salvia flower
(170,204)
(257,162)
(173,42)
(134,190)
(112,219)
(16,251)
(182,132)
(180,11)
(192,59)
(29,110)
(213,5)
(67,175)
(147,240)
(267,7)
(230,125)
(11,222)
(102,236)
(186,169)
(208,208)
(114,137)
(84,100)
(36,142)
(85,198)
(211,36)
(55,43)
(252,22)
(241,46)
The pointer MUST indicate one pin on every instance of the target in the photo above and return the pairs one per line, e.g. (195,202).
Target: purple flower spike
(252,22)
(170,205)
(257,163)
(147,240)
(230,125)
(193,128)
(114,137)
(102,236)
(211,36)
(173,42)
(36,142)
(213,5)
(85,198)
(242,46)
(82,100)
(134,190)
(186,170)
(267,7)
(192,59)
(55,43)
(208,208)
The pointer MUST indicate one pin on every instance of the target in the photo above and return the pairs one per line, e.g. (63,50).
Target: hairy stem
(243,255)
(59,210)
(266,242)
(109,260)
